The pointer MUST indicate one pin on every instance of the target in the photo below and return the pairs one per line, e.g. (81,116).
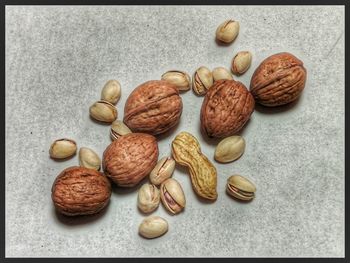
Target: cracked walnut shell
(278,80)
(154,107)
(80,191)
(130,158)
(226,108)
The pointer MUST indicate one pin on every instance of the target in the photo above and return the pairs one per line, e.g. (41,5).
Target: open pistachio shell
(240,187)
(172,196)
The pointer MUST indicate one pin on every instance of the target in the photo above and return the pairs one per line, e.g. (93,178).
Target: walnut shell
(278,80)
(226,108)
(130,158)
(80,191)
(154,107)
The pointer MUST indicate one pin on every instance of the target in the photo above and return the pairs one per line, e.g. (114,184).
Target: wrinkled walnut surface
(278,80)
(226,108)
(154,107)
(130,158)
(80,191)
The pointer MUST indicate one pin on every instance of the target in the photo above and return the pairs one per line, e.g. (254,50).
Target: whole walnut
(154,107)
(227,106)
(278,80)
(80,191)
(130,158)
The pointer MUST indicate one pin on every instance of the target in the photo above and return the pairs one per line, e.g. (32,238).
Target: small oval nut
(229,149)
(111,91)
(162,171)
(118,129)
(62,148)
(89,159)
(172,196)
(221,73)
(148,198)
(240,188)
(179,78)
(227,31)
(202,80)
(241,62)
(153,226)
(103,111)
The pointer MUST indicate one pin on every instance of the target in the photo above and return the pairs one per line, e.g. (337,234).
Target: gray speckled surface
(58,59)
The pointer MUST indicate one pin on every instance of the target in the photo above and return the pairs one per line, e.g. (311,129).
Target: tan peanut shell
(278,80)
(187,152)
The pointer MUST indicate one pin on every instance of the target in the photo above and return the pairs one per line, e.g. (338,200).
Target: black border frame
(3,5)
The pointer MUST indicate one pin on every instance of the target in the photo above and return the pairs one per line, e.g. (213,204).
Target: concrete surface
(58,59)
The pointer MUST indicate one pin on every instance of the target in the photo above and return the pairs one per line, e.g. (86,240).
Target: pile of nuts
(153,108)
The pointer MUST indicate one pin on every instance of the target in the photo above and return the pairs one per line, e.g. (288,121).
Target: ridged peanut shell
(278,80)
(226,108)
(154,107)
(80,191)
(130,158)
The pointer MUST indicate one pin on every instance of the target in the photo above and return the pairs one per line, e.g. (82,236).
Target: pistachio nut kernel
(179,78)
(148,198)
(162,171)
(118,129)
(172,196)
(111,91)
(202,80)
(240,188)
(229,149)
(62,148)
(227,31)
(89,159)
(153,226)
(221,73)
(241,62)
(103,111)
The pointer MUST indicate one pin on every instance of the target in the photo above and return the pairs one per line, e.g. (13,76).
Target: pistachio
(162,171)
(229,149)
(62,148)
(202,80)
(89,159)
(240,187)
(118,129)
(227,31)
(111,91)
(179,78)
(153,226)
(148,198)
(172,196)
(221,73)
(103,111)
(241,62)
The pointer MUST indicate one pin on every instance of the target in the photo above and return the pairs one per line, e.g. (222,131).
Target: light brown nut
(154,107)
(111,91)
(226,108)
(240,188)
(227,31)
(89,159)
(162,171)
(62,148)
(80,191)
(130,158)
(187,152)
(103,111)
(118,128)
(148,198)
(153,226)
(202,80)
(172,195)
(279,79)
(229,149)
(221,73)
(241,62)
(179,78)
